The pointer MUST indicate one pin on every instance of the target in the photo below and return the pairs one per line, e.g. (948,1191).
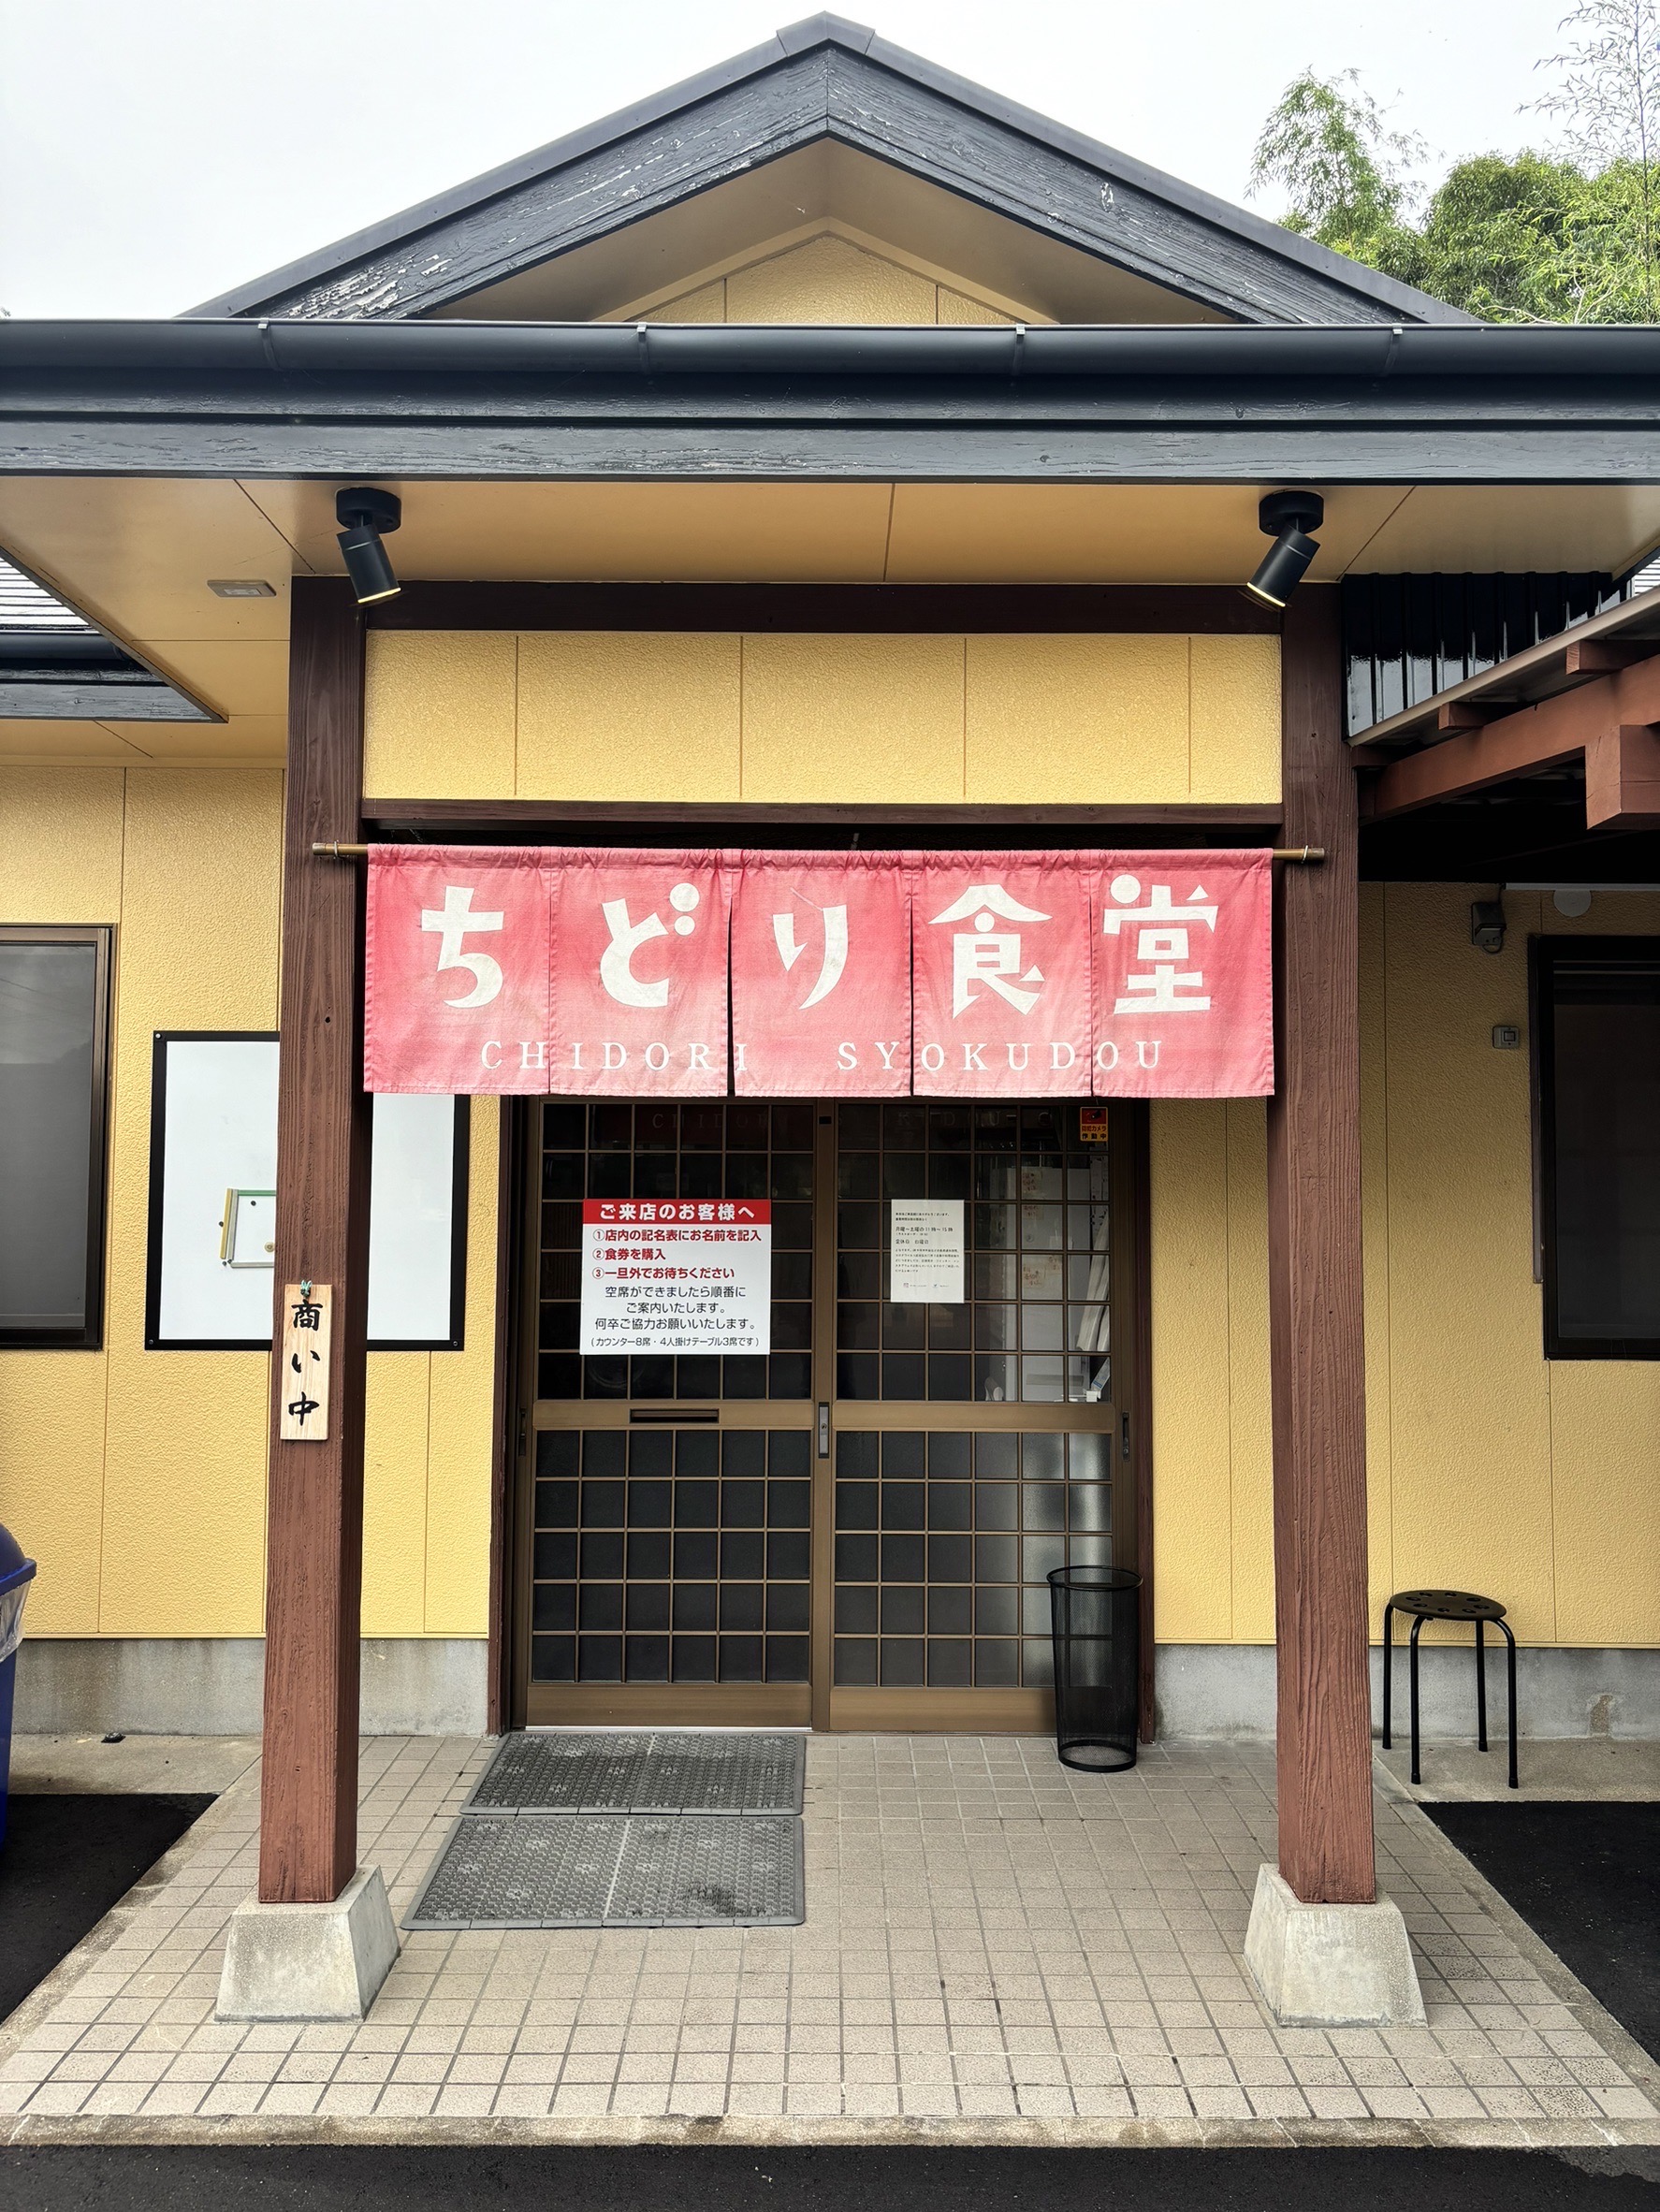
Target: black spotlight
(1287,517)
(365,514)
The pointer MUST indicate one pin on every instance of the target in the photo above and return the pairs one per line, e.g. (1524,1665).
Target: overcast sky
(153,152)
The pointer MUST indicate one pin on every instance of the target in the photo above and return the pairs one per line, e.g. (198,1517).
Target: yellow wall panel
(1235,721)
(457,1597)
(1605,1434)
(1192,1507)
(1250,1431)
(778,717)
(707,304)
(1071,720)
(644,716)
(1375,1238)
(396,1402)
(52,1481)
(958,307)
(860,719)
(828,280)
(185,1439)
(439,714)
(61,844)
(1470,1428)
(138,1478)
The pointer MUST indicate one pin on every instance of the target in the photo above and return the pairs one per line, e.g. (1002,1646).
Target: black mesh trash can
(1097,1615)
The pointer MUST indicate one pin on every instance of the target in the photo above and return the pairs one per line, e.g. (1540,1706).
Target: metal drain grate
(583,1870)
(666,1770)
(688,1871)
(503,1872)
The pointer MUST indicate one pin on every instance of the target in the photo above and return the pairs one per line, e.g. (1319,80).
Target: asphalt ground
(65,1862)
(400,2178)
(1585,1877)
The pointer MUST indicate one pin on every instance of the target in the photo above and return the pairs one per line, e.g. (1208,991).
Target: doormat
(586,1870)
(645,1771)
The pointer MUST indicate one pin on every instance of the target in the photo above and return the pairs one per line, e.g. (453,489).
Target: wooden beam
(876,609)
(734,821)
(1517,746)
(1623,776)
(1543,736)
(1469,714)
(308,1824)
(1604,656)
(1317,1350)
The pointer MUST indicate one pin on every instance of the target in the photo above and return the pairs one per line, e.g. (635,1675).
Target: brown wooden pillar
(1314,1272)
(308,1833)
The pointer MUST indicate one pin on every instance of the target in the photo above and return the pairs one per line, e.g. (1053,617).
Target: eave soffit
(829,82)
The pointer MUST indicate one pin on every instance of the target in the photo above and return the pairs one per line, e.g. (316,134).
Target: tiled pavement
(989,1938)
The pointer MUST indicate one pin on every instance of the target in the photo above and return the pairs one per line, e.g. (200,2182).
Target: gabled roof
(830,80)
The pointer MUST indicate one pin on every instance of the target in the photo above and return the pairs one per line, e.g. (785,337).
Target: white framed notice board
(212,1176)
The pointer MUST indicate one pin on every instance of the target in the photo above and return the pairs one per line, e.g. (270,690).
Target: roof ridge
(826,34)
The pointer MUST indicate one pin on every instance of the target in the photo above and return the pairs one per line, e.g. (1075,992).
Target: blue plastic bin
(16,1574)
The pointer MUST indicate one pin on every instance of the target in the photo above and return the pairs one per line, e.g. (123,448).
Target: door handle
(823,1432)
(1124,1432)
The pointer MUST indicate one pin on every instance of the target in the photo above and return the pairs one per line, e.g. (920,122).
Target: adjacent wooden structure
(1608,722)
(308,1825)
(1317,1347)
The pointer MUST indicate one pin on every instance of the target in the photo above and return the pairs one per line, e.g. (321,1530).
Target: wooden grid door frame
(818,1704)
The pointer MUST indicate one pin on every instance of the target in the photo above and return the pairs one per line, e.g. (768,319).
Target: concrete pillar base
(309,1962)
(1330,1966)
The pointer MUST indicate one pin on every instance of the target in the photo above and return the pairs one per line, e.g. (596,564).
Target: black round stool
(1447,1604)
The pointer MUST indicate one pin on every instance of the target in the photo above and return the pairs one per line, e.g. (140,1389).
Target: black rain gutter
(1367,353)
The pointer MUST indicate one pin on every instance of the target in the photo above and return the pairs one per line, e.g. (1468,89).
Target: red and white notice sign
(676,1275)
(1133,974)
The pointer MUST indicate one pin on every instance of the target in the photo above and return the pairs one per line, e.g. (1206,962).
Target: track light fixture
(365,515)
(1287,517)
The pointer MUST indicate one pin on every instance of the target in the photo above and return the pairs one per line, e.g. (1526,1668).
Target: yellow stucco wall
(917,719)
(1488,1466)
(137,1478)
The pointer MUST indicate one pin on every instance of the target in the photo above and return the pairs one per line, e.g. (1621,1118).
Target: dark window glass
(788,1605)
(648,1604)
(647,1658)
(857,1609)
(1599,1095)
(708,1581)
(787,1658)
(52,1042)
(855,1661)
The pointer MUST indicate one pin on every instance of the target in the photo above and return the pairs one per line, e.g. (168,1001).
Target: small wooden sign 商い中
(308,1322)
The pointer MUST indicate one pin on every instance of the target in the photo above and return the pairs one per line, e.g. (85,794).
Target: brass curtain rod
(1295,855)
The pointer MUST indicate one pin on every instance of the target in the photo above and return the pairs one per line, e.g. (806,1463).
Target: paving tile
(990,1935)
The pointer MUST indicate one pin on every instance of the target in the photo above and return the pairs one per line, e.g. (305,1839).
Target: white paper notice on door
(926,1252)
(676,1275)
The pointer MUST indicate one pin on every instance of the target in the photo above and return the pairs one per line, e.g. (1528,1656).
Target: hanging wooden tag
(307,1325)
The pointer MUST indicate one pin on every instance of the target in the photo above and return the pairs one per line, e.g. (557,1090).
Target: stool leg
(1389,1665)
(1481,1690)
(1510,1663)
(1412,1678)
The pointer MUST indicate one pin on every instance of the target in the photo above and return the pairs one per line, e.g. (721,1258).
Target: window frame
(89,1337)
(1548,956)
